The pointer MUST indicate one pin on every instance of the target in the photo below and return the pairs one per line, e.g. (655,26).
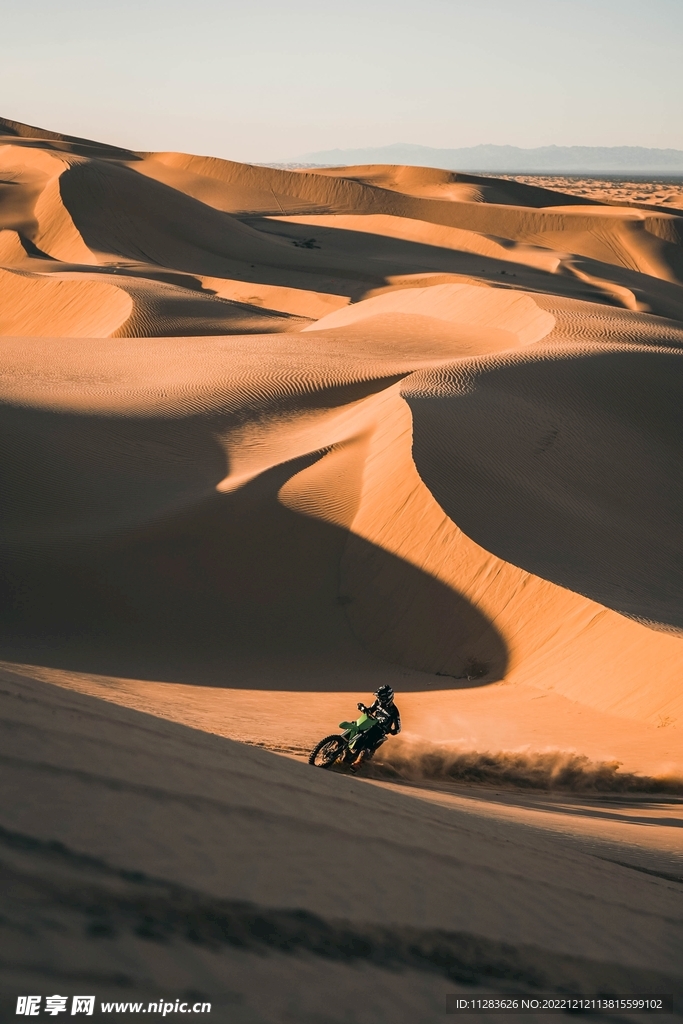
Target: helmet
(384,695)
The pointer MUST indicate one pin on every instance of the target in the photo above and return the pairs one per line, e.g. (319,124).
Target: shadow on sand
(225,589)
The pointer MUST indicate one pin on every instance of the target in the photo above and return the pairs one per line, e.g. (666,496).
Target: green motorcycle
(356,744)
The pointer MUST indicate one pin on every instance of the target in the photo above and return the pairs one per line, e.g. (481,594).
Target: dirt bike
(354,745)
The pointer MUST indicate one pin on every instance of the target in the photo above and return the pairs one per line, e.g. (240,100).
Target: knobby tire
(336,743)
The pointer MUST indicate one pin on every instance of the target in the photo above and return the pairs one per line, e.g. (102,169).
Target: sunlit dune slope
(306,431)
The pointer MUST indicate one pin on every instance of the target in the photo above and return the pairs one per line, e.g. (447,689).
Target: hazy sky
(273,79)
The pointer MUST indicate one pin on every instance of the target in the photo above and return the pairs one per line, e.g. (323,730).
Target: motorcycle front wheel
(328,751)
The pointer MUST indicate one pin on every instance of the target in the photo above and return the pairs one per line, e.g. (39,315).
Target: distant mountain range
(512,159)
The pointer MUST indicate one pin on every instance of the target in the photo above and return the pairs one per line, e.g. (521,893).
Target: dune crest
(509,312)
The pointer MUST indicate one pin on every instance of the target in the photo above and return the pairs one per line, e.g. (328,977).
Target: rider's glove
(360,706)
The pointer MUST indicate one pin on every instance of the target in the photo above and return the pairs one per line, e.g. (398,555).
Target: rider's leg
(361,759)
(366,746)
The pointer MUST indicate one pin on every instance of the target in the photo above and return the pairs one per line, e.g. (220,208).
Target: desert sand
(666,191)
(271,438)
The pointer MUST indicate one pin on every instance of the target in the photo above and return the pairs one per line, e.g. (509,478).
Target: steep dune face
(307,431)
(565,508)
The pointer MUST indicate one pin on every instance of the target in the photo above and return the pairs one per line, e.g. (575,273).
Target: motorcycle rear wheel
(328,751)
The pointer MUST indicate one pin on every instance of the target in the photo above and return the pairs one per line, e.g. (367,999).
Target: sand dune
(472,433)
(35,305)
(270,438)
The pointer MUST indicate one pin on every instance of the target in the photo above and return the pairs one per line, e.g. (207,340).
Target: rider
(388,721)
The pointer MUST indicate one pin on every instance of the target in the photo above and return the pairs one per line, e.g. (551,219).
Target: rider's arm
(368,710)
(395,726)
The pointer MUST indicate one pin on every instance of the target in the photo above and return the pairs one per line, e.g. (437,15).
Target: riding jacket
(388,718)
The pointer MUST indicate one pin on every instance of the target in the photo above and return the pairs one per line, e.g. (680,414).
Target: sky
(270,80)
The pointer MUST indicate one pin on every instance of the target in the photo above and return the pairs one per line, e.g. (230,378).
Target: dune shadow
(121,559)
(571,469)
(338,249)
(399,256)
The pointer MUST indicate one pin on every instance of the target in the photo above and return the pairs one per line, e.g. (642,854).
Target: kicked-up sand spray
(416,760)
